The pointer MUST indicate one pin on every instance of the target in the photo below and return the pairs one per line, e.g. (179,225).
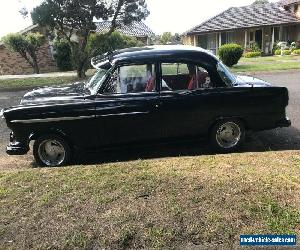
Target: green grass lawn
(25,83)
(270,63)
(160,203)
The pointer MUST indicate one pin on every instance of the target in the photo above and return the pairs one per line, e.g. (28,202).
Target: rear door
(191,98)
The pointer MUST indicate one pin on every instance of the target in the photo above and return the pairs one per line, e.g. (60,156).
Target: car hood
(55,94)
(246,81)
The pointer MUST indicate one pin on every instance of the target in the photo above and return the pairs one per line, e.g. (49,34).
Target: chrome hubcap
(228,135)
(51,152)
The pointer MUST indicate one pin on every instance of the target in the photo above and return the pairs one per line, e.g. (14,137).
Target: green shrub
(296,52)
(252,54)
(286,52)
(230,54)
(277,52)
(63,55)
(254,47)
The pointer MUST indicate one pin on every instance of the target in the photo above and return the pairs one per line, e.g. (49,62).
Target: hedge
(296,52)
(286,52)
(230,54)
(252,54)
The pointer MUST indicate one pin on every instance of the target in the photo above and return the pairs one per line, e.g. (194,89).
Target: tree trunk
(36,68)
(80,57)
(33,62)
(81,70)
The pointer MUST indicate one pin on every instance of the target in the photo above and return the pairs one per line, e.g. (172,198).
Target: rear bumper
(15,147)
(284,123)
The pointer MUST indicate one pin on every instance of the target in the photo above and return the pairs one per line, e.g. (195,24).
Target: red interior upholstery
(150,84)
(177,82)
(201,80)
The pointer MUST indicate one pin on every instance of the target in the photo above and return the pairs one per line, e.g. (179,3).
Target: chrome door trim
(122,114)
(58,119)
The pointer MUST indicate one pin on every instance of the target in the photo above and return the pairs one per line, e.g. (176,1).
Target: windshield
(96,81)
(225,74)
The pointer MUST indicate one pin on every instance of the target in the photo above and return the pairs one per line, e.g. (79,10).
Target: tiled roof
(136,29)
(28,29)
(288,2)
(24,31)
(247,17)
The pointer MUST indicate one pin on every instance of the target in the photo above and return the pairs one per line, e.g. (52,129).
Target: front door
(127,108)
(258,38)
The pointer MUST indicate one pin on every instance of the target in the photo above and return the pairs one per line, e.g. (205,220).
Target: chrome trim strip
(2,114)
(122,114)
(53,119)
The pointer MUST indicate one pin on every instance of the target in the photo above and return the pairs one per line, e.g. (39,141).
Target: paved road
(278,139)
(284,138)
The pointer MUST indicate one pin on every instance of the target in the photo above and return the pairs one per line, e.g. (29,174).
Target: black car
(143,95)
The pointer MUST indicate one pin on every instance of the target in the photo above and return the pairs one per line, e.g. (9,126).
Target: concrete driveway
(278,139)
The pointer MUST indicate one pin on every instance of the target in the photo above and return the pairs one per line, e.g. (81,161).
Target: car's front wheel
(51,151)
(227,135)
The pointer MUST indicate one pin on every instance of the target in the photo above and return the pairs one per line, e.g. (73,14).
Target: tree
(177,39)
(260,2)
(101,43)
(166,38)
(26,45)
(63,55)
(69,17)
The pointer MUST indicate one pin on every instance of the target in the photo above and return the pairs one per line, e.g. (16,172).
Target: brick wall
(12,63)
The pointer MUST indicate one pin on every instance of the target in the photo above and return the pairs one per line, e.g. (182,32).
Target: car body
(145,95)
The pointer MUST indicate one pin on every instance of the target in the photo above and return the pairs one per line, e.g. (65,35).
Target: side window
(183,76)
(132,79)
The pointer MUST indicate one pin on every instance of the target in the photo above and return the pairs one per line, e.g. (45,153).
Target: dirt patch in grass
(161,203)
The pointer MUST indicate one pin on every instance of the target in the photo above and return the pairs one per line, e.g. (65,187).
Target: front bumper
(284,123)
(15,147)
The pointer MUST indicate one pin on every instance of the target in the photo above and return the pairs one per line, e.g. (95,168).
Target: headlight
(2,114)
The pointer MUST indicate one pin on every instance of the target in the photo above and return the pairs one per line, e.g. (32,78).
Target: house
(136,29)
(264,24)
(11,63)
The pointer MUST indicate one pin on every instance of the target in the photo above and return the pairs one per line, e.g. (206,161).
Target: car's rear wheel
(227,135)
(51,151)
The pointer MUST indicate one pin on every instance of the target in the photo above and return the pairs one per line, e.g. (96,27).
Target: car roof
(161,52)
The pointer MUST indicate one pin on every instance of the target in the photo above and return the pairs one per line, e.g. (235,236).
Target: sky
(176,16)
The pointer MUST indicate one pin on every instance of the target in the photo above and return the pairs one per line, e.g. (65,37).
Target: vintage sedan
(143,95)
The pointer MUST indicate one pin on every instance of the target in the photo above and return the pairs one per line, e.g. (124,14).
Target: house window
(227,37)
(285,33)
(223,38)
(276,34)
(230,37)
(212,43)
(202,41)
(251,36)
